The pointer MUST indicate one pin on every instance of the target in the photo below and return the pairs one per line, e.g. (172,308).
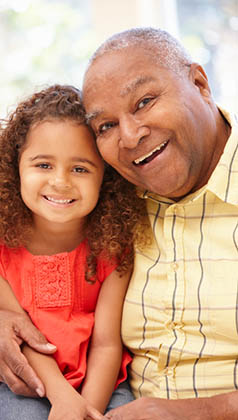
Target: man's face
(154,127)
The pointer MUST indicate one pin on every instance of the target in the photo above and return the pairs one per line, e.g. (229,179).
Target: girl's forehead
(63,140)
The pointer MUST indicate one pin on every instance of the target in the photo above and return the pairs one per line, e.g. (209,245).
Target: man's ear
(198,77)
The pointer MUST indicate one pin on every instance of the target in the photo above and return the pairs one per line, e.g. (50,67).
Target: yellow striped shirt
(180,316)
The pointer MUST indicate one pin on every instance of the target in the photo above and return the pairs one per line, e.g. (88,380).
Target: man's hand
(15,371)
(143,409)
(219,407)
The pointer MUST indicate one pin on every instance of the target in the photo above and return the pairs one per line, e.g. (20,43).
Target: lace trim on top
(53,281)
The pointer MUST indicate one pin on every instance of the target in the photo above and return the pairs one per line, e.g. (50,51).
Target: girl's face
(60,172)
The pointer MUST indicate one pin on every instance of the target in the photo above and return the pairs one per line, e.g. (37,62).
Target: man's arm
(16,328)
(219,407)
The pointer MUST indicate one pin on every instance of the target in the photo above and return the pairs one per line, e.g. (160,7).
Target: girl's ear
(198,76)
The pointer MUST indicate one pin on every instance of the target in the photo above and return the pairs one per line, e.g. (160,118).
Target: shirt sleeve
(3,258)
(105,267)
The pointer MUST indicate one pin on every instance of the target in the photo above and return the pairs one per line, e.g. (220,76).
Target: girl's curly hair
(119,217)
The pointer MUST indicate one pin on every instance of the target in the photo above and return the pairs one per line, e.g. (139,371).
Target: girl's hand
(73,407)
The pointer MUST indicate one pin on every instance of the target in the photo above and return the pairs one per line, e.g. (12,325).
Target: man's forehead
(124,87)
(109,63)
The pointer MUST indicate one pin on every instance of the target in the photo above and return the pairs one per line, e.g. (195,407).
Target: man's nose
(132,130)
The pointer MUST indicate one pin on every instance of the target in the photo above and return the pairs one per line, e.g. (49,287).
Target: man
(156,122)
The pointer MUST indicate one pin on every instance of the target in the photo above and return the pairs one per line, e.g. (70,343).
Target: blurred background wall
(48,41)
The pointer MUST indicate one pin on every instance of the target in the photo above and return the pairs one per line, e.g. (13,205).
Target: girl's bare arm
(105,353)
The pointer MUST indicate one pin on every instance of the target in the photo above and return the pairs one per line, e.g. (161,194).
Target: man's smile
(151,155)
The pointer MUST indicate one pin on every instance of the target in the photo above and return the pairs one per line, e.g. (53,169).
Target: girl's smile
(59,201)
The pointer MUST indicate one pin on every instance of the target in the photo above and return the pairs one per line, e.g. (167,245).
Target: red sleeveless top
(60,302)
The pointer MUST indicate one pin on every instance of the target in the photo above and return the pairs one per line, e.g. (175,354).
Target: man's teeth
(59,201)
(140,159)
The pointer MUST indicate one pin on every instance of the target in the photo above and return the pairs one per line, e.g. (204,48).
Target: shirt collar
(224,179)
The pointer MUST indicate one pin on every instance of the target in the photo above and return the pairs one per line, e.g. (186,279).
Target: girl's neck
(54,240)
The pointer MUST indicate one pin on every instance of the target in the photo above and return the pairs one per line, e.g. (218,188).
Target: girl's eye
(144,102)
(43,166)
(105,127)
(80,170)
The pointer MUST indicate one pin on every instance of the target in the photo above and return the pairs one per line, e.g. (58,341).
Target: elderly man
(156,123)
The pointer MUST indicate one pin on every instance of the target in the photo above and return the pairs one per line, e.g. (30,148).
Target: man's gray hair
(166,49)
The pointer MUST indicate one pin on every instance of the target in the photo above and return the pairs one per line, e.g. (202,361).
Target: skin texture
(134,106)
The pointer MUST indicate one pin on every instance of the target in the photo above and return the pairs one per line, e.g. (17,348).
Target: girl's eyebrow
(74,159)
(41,157)
(84,160)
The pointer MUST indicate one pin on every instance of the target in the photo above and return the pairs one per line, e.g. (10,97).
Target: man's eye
(43,166)
(144,102)
(105,127)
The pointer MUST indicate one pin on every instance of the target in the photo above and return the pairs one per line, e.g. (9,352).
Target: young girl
(67,225)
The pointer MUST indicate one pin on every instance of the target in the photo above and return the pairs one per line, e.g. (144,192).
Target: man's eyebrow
(134,84)
(93,115)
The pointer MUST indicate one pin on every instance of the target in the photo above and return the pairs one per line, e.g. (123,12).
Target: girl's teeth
(58,201)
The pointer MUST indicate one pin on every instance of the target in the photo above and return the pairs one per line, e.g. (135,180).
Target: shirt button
(168,371)
(172,325)
(178,325)
(174,266)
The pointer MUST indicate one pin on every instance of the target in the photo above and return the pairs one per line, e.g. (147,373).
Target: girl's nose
(59,182)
